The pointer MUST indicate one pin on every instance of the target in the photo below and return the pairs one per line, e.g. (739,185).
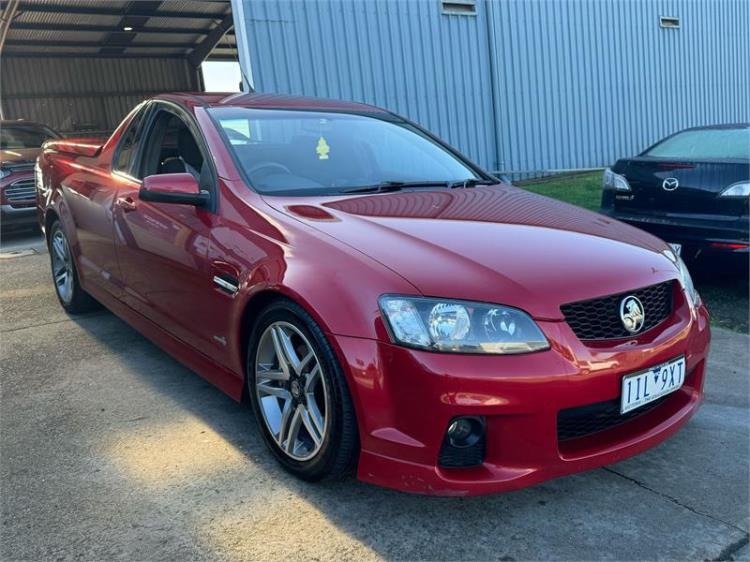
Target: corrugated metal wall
(403,55)
(587,82)
(574,83)
(74,94)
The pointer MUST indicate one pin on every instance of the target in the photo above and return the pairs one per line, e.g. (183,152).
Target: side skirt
(227,381)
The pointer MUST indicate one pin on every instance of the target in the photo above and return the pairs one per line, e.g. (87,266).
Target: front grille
(585,420)
(599,319)
(21,191)
(23,167)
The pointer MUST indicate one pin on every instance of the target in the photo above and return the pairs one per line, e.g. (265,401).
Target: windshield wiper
(470,182)
(385,186)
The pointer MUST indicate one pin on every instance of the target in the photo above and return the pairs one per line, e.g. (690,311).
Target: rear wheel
(299,394)
(65,275)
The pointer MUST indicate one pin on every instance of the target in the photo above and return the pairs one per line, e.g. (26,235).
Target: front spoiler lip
(488,479)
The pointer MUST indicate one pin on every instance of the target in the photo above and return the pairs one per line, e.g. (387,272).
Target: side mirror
(180,189)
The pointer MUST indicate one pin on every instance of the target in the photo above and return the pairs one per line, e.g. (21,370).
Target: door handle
(226,276)
(126,204)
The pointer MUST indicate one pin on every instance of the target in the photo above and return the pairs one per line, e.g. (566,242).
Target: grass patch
(584,190)
(723,284)
(724,287)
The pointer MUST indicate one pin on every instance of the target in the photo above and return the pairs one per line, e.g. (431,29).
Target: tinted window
(171,148)
(24,136)
(327,152)
(705,144)
(126,150)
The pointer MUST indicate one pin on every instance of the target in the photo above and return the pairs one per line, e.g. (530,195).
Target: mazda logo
(670,184)
(632,314)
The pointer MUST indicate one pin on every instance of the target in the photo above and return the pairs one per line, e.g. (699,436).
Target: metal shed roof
(191,29)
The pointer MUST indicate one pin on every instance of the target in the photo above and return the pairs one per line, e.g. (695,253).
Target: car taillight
(614,182)
(728,246)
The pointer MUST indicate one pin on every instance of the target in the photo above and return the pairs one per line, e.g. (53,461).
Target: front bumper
(18,216)
(712,234)
(405,400)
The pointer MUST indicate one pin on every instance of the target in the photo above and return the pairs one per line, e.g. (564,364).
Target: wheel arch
(346,459)
(57,208)
(58,211)
(252,307)
(264,297)
(50,216)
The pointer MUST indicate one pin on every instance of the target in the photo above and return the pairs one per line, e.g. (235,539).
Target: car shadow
(21,239)
(587,516)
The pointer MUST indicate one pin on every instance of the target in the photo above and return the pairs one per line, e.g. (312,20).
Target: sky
(220,76)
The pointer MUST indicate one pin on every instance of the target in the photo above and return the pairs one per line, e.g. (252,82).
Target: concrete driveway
(110,449)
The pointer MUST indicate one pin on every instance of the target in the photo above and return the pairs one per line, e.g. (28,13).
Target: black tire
(79,301)
(338,453)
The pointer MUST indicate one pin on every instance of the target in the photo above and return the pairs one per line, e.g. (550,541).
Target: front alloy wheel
(300,395)
(292,393)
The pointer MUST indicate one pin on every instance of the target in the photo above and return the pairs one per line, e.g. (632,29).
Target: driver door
(162,247)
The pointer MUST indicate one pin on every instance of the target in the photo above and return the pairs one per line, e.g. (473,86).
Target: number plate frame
(642,388)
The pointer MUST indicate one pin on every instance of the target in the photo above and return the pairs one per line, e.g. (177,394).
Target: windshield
(311,152)
(28,136)
(708,144)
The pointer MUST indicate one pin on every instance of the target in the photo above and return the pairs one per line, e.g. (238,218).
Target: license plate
(645,387)
(676,248)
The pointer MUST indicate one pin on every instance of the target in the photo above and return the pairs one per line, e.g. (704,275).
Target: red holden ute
(383,303)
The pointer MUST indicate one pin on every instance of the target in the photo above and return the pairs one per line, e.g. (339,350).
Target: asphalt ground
(110,450)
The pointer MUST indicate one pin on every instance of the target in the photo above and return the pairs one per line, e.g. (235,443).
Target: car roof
(268,101)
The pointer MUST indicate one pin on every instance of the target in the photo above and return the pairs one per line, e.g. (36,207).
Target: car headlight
(4,173)
(739,189)
(687,282)
(685,279)
(615,182)
(460,326)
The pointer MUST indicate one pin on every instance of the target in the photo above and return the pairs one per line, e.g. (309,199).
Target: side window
(172,148)
(127,148)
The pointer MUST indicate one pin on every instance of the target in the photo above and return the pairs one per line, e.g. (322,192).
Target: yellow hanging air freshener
(323,149)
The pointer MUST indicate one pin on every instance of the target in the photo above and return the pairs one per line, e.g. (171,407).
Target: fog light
(464,432)
(463,443)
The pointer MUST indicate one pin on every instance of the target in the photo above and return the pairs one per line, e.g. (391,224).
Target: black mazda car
(691,189)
